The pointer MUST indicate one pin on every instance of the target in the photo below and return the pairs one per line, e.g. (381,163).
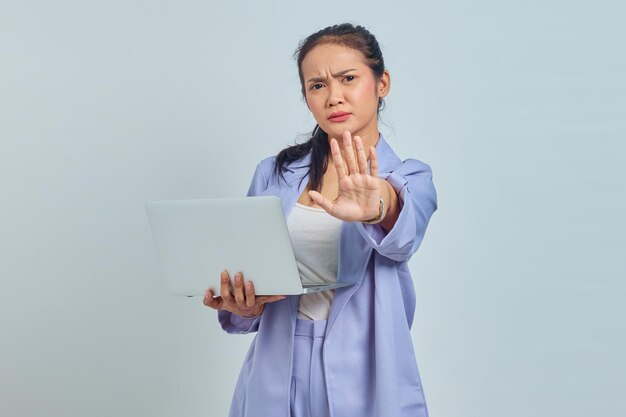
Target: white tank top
(315,239)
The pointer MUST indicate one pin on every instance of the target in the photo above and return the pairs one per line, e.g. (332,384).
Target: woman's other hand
(359,188)
(243,302)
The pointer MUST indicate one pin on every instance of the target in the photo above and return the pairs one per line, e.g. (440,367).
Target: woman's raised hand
(359,193)
(243,302)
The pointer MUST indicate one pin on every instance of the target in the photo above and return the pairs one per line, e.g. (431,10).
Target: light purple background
(518,106)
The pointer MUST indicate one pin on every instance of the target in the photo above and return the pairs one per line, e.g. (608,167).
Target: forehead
(329,57)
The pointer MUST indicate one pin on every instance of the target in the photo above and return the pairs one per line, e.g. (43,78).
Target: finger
(225,288)
(373,162)
(322,201)
(208,299)
(349,153)
(250,297)
(212,302)
(240,298)
(337,159)
(360,153)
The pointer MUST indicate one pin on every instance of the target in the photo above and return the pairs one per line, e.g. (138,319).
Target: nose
(335,94)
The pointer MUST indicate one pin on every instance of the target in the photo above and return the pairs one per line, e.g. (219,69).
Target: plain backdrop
(518,106)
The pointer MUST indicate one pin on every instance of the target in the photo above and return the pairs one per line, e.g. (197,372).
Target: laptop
(197,239)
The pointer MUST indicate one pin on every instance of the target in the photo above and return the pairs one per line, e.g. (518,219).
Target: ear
(384,84)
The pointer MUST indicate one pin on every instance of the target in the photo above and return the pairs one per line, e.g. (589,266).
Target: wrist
(381,213)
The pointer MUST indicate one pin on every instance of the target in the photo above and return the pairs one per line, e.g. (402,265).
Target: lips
(339,116)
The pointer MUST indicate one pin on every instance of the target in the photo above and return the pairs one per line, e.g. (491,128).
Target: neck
(370,139)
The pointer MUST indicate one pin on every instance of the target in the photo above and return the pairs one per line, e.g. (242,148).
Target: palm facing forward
(359,190)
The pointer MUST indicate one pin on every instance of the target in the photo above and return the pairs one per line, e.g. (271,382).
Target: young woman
(355,213)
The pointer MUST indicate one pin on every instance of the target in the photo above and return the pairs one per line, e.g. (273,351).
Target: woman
(349,352)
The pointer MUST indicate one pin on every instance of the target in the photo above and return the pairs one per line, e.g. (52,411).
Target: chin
(336,135)
(337,132)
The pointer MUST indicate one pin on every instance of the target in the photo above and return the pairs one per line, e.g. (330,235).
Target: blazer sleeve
(417,197)
(233,323)
(260,179)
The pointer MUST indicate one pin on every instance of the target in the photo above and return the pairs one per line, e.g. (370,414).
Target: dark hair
(345,34)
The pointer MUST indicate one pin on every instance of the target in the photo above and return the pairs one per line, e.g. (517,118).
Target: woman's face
(342,92)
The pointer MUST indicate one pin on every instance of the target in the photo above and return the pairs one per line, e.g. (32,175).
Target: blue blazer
(368,355)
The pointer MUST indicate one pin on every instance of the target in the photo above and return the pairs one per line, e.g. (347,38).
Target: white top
(315,239)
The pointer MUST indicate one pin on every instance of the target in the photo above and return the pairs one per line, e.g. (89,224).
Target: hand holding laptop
(243,301)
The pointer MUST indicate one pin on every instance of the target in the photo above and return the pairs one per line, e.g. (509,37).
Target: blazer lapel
(295,180)
(354,253)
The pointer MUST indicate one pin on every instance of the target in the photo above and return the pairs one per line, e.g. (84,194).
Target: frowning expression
(342,92)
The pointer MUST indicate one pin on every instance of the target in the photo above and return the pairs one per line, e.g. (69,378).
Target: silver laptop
(197,239)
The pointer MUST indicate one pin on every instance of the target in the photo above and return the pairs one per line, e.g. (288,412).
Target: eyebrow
(335,75)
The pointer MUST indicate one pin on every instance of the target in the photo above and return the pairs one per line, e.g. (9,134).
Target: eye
(316,86)
(349,78)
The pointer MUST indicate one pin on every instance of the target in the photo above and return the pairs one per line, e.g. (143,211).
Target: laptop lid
(197,239)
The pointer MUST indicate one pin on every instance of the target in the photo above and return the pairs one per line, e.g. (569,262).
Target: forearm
(417,201)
